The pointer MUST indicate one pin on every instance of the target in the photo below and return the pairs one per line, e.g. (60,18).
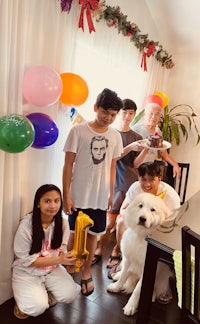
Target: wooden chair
(180,185)
(190,298)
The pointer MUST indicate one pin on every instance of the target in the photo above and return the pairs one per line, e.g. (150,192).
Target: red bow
(147,52)
(87,5)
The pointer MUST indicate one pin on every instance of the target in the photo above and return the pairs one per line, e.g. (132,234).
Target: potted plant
(175,121)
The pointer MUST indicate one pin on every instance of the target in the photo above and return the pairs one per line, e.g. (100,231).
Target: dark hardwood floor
(100,307)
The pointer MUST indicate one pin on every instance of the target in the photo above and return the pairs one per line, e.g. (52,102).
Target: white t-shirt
(23,242)
(171,198)
(90,183)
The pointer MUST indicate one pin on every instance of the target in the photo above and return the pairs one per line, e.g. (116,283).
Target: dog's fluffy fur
(141,218)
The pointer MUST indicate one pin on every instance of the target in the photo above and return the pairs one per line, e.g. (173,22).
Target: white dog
(141,217)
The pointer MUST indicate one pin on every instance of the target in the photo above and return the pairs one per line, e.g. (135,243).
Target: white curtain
(31,33)
(35,33)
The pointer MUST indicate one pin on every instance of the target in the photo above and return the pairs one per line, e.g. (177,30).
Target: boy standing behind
(126,174)
(92,150)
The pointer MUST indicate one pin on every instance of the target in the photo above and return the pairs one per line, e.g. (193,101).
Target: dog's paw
(129,285)
(116,276)
(113,287)
(127,289)
(129,309)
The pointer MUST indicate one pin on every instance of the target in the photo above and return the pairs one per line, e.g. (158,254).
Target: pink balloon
(42,86)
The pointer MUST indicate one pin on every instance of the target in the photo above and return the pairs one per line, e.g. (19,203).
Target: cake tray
(145,143)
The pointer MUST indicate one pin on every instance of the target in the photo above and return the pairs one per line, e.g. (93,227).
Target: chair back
(181,184)
(190,276)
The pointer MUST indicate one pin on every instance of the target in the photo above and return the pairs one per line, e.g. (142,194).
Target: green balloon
(16,133)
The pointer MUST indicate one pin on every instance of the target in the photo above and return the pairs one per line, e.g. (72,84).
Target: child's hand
(67,258)
(68,206)
(136,146)
(71,268)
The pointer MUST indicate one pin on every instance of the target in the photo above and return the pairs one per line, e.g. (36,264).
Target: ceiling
(179,23)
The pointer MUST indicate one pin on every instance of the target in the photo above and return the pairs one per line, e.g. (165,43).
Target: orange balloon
(164,98)
(75,89)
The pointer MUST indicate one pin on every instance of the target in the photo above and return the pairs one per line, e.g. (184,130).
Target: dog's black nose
(142,219)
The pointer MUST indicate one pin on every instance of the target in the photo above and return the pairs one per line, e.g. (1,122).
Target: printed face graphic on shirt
(98,146)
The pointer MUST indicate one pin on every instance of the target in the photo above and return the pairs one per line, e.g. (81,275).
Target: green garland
(115,18)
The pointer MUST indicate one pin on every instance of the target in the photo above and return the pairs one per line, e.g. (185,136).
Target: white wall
(184,88)
(183,79)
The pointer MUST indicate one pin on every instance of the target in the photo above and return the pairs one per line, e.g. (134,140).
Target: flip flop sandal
(85,282)
(113,258)
(113,270)
(96,258)
(18,313)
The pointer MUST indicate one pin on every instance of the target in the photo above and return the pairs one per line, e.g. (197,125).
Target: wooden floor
(100,307)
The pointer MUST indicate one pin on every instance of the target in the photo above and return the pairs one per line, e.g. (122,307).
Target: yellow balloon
(164,98)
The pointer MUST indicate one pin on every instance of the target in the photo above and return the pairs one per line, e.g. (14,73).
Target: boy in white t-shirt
(92,149)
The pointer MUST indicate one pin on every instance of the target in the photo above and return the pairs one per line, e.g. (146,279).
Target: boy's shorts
(97,215)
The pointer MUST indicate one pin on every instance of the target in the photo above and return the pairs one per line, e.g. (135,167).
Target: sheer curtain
(36,33)
(31,33)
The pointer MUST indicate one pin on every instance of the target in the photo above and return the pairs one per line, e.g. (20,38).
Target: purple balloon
(46,131)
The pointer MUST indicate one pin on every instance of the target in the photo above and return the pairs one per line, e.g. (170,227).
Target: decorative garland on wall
(113,17)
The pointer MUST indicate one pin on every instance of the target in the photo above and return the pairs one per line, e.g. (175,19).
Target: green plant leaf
(184,131)
(137,118)
(179,118)
(176,134)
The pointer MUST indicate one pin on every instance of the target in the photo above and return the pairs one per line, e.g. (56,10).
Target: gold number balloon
(83,222)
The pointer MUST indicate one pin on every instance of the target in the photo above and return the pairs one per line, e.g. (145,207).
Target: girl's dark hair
(37,229)
(108,99)
(153,169)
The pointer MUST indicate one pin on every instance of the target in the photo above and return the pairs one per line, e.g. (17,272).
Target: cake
(155,141)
